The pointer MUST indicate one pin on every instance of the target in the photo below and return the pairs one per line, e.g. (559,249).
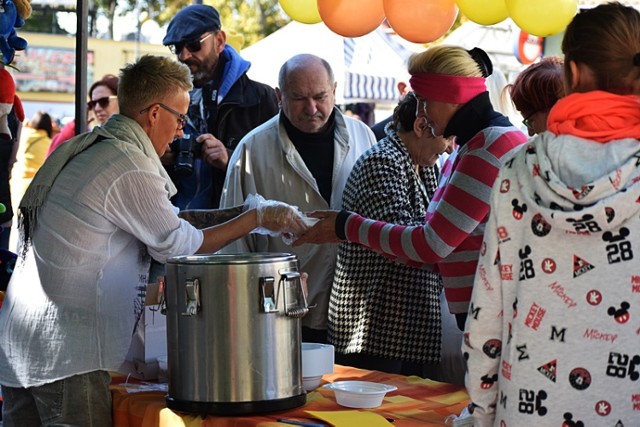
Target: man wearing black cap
(225,104)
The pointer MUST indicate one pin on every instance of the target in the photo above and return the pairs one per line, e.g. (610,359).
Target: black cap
(190,23)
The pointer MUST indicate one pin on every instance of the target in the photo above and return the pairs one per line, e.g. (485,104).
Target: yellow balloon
(542,18)
(484,12)
(305,11)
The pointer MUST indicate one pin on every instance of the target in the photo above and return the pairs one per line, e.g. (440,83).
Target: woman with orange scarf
(552,333)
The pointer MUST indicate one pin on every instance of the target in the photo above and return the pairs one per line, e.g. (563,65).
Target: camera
(187,150)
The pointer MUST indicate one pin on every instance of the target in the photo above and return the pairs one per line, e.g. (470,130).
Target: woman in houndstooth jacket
(384,315)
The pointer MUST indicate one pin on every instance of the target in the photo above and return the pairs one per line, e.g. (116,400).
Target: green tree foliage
(42,20)
(106,7)
(252,19)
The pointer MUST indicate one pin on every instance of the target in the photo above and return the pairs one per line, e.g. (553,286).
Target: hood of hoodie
(574,182)
(234,67)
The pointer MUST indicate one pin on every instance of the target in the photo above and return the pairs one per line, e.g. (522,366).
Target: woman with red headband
(450,84)
(554,336)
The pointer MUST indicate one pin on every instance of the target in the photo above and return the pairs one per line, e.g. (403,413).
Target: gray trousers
(78,401)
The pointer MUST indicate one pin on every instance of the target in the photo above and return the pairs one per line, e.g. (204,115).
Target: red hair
(109,81)
(539,86)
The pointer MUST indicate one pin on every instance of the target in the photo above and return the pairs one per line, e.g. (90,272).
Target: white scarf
(118,130)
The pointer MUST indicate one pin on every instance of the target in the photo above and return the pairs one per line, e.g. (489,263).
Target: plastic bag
(465,419)
(277,218)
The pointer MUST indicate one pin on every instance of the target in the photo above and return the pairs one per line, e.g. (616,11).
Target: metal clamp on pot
(192,288)
(294,296)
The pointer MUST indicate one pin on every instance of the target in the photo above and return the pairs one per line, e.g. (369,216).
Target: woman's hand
(324,231)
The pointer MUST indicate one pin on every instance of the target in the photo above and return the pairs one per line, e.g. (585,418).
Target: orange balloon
(420,21)
(351,18)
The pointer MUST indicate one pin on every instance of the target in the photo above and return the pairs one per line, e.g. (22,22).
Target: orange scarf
(596,115)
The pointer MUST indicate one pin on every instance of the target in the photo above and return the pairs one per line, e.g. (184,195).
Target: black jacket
(247,105)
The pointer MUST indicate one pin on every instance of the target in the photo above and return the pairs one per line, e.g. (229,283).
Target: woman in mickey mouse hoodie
(553,333)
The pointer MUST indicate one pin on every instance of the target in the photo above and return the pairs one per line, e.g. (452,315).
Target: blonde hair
(151,79)
(443,59)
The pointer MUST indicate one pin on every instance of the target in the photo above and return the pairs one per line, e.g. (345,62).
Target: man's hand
(213,151)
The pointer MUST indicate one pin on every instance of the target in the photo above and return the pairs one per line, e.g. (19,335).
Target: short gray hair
(299,61)
(150,79)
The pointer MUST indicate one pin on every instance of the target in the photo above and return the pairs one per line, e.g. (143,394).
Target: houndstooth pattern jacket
(378,306)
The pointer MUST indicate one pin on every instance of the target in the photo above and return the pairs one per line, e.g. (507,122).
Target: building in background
(45,72)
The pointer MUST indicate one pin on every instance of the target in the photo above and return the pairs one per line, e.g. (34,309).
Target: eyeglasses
(182,119)
(420,101)
(102,102)
(192,46)
(527,120)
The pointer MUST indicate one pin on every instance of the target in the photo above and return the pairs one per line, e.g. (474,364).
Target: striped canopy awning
(367,68)
(374,65)
(365,87)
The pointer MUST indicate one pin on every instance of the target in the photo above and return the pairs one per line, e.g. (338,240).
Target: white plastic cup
(163,369)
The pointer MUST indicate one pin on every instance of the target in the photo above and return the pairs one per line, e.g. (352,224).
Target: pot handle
(298,306)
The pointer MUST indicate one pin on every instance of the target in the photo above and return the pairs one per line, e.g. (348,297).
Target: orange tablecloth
(417,403)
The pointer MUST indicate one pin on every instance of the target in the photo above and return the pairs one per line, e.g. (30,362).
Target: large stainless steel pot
(233,333)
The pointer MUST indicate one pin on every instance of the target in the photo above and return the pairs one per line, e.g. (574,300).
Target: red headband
(446,88)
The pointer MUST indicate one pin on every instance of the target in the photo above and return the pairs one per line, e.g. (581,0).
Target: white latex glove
(276,218)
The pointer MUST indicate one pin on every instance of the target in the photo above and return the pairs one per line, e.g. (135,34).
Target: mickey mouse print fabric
(553,333)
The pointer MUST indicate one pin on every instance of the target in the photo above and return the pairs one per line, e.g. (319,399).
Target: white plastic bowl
(359,394)
(317,360)
(311,383)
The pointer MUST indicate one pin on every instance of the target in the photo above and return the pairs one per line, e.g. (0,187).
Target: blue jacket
(243,105)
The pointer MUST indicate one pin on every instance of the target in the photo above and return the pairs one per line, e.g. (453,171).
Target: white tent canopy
(497,40)
(367,68)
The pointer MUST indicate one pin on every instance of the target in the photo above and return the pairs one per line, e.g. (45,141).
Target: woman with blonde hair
(553,339)
(34,142)
(449,82)
(384,315)
(35,139)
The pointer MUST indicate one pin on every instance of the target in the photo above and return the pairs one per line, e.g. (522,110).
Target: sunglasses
(182,119)
(102,102)
(192,46)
